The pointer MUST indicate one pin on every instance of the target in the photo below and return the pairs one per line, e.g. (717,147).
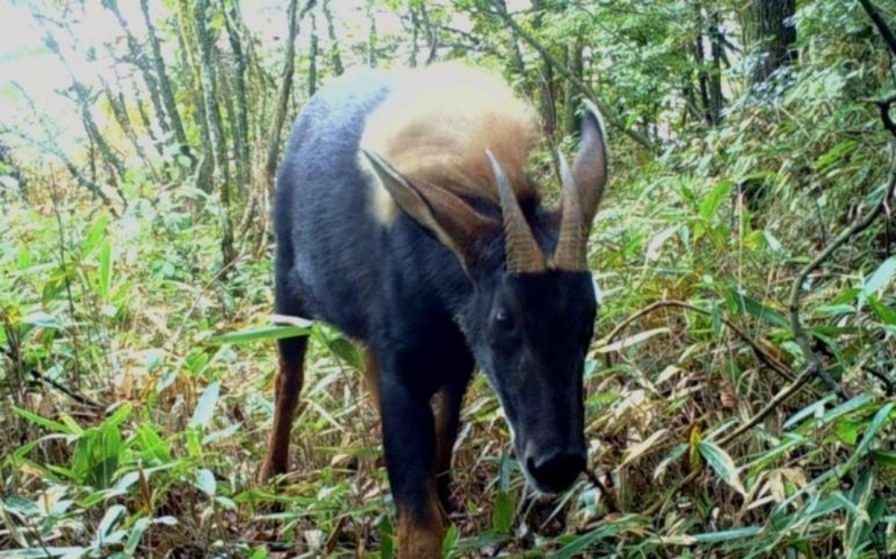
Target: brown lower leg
(372,377)
(286,399)
(422,539)
(447,415)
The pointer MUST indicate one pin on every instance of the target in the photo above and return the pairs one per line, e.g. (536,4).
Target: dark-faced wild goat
(404,217)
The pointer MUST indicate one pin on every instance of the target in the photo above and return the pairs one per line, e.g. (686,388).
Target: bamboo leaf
(54,426)
(746,304)
(721,462)
(105,271)
(502,513)
(205,481)
(206,405)
(885,458)
(632,340)
(710,205)
(879,278)
(264,333)
(727,535)
(634,452)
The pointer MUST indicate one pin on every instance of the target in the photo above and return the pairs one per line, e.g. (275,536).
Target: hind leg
(289,298)
(288,386)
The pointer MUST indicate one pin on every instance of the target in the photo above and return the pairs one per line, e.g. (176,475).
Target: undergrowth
(137,375)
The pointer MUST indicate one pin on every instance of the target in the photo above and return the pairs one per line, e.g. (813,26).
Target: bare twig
(761,353)
(218,275)
(76,396)
(885,32)
(783,395)
(54,197)
(889,385)
(799,332)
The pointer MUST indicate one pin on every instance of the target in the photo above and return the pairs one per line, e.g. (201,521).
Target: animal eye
(503,319)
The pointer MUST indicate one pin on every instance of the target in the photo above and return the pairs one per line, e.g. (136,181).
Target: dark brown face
(530,334)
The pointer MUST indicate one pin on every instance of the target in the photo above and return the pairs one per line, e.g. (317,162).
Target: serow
(405,218)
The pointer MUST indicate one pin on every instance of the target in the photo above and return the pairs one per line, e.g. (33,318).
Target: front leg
(450,398)
(409,441)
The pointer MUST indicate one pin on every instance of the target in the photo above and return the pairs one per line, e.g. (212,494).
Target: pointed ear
(590,166)
(452,221)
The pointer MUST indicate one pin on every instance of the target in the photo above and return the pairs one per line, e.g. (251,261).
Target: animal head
(530,316)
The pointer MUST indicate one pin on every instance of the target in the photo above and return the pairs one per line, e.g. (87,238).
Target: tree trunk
(423,21)
(548,110)
(415,35)
(335,56)
(371,35)
(188,52)
(220,175)
(13,168)
(82,98)
(700,63)
(113,163)
(516,62)
(716,97)
(120,112)
(571,97)
(312,59)
(709,76)
(166,90)
(240,114)
(770,36)
(138,57)
(610,115)
(283,94)
(144,117)
(51,145)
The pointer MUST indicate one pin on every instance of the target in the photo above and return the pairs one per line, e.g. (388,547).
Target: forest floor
(138,381)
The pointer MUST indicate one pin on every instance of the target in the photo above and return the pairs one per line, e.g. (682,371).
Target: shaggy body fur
(425,283)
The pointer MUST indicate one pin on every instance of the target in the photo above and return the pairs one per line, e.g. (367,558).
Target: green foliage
(136,375)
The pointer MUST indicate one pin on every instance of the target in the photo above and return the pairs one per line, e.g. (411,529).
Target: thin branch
(813,366)
(76,396)
(284,90)
(761,353)
(586,91)
(889,385)
(799,332)
(885,32)
(52,147)
(779,399)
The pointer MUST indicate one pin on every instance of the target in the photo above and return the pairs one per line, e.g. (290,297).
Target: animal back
(436,125)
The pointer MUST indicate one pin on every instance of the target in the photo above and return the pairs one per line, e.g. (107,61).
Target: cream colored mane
(436,125)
